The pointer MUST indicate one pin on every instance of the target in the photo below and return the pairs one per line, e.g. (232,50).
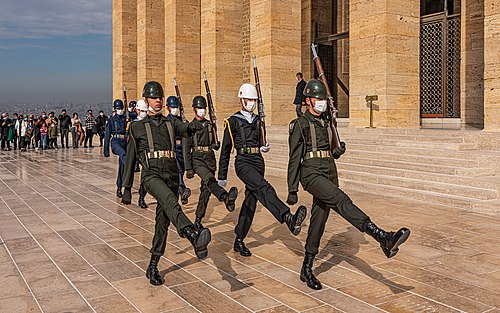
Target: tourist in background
(43,135)
(37,125)
(23,126)
(52,134)
(76,130)
(6,128)
(64,124)
(300,99)
(89,129)
(15,128)
(101,121)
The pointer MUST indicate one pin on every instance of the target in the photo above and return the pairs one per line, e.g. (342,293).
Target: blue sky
(55,51)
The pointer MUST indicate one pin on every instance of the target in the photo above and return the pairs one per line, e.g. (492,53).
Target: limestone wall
(384,61)
(491,65)
(472,63)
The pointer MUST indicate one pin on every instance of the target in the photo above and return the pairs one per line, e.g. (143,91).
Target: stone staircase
(453,168)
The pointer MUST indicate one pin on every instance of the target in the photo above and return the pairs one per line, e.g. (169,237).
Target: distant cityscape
(71,108)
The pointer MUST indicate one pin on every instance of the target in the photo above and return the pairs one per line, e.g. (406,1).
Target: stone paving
(68,245)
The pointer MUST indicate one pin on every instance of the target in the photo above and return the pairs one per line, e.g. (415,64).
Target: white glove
(266,148)
(222,182)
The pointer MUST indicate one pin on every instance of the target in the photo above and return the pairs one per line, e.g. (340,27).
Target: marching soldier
(132,112)
(116,134)
(312,162)
(173,108)
(202,161)
(241,133)
(151,141)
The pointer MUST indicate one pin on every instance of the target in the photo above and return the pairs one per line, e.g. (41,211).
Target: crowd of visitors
(41,132)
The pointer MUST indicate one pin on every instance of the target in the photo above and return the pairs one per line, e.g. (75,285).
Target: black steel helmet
(152,89)
(315,89)
(132,104)
(199,102)
(118,104)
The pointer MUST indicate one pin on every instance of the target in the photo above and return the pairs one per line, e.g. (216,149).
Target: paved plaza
(68,245)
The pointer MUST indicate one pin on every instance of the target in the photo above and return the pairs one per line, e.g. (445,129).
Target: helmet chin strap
(154,111)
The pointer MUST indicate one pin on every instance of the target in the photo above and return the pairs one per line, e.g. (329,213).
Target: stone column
(472,63)
(275,38)
(491,65)
(182,49)
(307,64)
(124,48)
(222,51)
(150,43)
(384,61)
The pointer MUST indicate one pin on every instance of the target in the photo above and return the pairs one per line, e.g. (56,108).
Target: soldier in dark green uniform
(201,160)
(312,162)
(152,142)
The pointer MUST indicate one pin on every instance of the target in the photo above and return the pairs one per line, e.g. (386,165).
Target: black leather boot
(199,239)
(229,198)
(197,223)
(294,221)
(152,272)
(142,203)
(389,241)
(119,193)
(306,273)
(239,246)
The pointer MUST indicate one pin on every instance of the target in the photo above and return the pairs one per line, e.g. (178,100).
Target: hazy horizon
(54,51)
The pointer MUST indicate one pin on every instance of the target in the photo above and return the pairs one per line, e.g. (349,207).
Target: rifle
(181,107)
(184,140)
(332,109)
(125,102)
(211,113)
(262,115)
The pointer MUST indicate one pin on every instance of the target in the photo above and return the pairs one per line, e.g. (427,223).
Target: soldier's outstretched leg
(171,210)
(253,177)
(209,185)
(326,191)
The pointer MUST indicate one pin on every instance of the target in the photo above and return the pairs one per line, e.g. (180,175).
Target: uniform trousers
(327,195)
(118,147)
(250,170)
(209,184)
(159,184)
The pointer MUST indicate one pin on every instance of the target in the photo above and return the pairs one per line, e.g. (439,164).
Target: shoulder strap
(195,139)
(330,135)
(242,132)
(150,137)
(312,129)
(171,134)
(210,130)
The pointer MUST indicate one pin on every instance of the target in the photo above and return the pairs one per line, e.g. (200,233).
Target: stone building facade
(426,60)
